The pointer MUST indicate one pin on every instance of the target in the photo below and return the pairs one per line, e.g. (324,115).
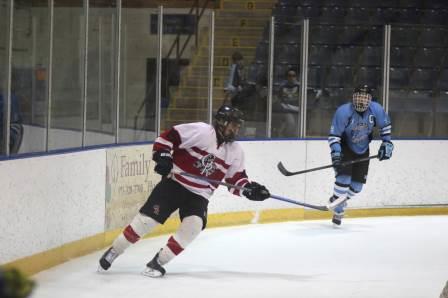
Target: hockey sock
(340,189)
(188,230)
(355,188)
(351,194)
(140,226)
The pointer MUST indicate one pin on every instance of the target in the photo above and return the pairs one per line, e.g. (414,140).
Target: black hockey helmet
(363,89)
(362,96)
(223,117)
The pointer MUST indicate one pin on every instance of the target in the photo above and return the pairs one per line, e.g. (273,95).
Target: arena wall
(57,207)
(49,201)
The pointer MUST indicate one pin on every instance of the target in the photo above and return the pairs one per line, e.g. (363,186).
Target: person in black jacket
(15,128)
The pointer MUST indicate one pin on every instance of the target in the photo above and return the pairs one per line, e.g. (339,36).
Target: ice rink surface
(386,257)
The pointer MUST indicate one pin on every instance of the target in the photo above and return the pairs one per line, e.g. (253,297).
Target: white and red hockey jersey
(195,150)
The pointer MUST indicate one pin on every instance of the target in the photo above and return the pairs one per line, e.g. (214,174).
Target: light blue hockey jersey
(355,129)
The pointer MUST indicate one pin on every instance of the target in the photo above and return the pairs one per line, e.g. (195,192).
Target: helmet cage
(361,101)
(223,117)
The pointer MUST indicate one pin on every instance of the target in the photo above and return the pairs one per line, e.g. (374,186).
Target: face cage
(221,126)
(361,101)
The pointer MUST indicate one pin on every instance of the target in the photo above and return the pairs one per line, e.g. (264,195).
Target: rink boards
(57,207)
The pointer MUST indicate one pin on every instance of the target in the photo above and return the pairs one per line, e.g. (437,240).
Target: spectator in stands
(286,108)
(236,88)
(234,82)
(14,284)
(16,128)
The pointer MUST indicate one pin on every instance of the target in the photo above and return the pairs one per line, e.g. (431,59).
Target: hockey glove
(385,151)
(336,160)
(164,162)
(256,192)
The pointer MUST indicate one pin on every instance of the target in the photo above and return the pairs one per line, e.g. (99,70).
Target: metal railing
(196,10)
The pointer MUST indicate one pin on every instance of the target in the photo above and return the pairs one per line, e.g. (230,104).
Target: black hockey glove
(164,162)
(385,151)
(256,192)
(336,159)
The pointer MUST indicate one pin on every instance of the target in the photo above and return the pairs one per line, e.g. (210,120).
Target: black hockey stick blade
(285,172)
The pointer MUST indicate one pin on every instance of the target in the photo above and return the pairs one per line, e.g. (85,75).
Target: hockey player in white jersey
(195,148)
(349,139)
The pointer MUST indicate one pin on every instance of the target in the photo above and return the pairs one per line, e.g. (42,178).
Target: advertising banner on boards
(130,178)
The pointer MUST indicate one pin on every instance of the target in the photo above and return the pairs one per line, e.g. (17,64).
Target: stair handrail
(176,44)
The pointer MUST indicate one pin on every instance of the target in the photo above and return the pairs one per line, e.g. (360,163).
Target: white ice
(386,257)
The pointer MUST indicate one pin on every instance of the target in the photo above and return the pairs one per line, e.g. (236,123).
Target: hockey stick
(285,172)
(321,208)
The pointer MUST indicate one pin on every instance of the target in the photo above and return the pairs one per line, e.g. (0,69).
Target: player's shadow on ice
(230,275)
(324,229)
(126,271)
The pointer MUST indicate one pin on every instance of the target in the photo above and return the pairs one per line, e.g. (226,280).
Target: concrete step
(220,61)
(247,5)
(224,60)
(234,37)
(238,31)
(220,50)
(236,41)
(258,1)
(198,70)
(168,123)
(223,55)
(201,81)
(165,124)
(196,91)
(196,102)
(190,103)
(187,114)
(244,13)
(241,21)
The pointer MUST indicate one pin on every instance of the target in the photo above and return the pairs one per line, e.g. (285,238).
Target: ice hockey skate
(107,259)
(337,218)
(338,211)
(153,268)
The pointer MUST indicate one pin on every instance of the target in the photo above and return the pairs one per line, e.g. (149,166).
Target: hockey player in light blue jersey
(350,135)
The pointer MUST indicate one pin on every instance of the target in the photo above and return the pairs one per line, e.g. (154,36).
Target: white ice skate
(153,268)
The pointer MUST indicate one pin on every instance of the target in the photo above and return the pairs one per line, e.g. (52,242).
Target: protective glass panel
(68,75)
(29,77)
(100,116)
(185,65)
(418,81)
(241,62)
(137,72)
(286,87)
(340,58)
(440,119)
(4,44)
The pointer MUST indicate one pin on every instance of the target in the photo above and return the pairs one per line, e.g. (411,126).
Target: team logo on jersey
(206,165)
(372,119)
(360,126)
